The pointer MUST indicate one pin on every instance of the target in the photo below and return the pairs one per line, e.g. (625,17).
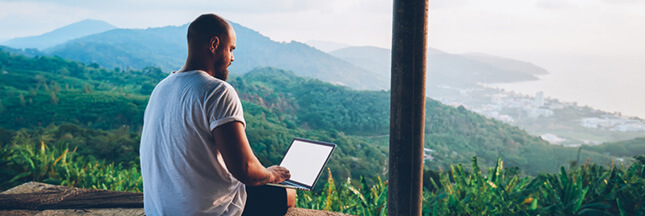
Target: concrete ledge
(35,191)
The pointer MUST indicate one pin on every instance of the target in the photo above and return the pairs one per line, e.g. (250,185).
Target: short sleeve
(223,106)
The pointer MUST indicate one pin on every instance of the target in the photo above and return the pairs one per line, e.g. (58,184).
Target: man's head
(211,41)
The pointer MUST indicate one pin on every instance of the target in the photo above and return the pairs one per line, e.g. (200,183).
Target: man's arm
(240,160)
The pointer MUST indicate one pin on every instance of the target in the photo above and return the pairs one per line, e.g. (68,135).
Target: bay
(609,84)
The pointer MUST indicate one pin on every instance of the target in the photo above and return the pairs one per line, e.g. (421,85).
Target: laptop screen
(305,160)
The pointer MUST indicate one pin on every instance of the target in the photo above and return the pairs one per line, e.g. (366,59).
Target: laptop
(305,160)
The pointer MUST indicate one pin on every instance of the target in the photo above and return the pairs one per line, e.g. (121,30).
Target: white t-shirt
(183,171)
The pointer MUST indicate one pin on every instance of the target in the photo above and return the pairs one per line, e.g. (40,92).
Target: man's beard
(221,69)
(221,74)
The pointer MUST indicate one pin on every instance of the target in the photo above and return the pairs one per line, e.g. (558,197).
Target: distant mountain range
(60,35)
(165,47)
(443,68)
(326,46)
(128,48)
(355,67)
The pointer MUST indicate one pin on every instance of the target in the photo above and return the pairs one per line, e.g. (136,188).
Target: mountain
(165,47)
(446,69)
(356,67)
(374,59)
(507,64)
(326,46)
(60,35)
(129,48)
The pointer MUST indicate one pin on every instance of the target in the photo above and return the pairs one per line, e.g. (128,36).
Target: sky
(492,26)
(590,36)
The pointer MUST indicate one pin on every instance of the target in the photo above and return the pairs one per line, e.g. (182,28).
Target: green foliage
(56,164)
(314,104)
(473,193)
(587,190)
(269,137)
(51,105)
(33,93)
(279,106)
(86,154)
(363,199)
(453,134)
(119,145)
(627,148)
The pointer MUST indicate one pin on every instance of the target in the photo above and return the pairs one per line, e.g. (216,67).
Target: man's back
(183,171)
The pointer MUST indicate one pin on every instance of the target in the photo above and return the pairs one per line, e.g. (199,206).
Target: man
(195,156)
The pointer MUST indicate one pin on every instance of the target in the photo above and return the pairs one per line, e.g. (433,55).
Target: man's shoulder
(214,87)
(201,79)
(207,77)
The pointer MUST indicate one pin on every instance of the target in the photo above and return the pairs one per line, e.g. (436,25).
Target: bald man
(195,156)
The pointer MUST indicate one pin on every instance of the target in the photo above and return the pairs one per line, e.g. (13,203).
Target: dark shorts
(265,200)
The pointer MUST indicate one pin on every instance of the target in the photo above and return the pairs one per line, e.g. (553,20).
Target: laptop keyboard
(289,183)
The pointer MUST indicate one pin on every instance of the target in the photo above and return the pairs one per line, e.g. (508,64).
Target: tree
(63,71)
(22,99)
(53,98)
(87,89)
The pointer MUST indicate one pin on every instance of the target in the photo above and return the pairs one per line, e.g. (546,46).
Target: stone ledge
(39,190)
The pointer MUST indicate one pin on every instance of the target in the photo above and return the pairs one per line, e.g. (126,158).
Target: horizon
(564,37)
(501,26)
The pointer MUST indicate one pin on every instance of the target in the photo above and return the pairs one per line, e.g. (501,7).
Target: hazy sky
(560,35)
(493,26)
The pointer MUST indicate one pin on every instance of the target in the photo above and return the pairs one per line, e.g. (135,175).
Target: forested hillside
(453,135)
(627,148)
(99,113)
(64,103)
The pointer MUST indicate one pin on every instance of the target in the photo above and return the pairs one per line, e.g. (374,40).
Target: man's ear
(214,43)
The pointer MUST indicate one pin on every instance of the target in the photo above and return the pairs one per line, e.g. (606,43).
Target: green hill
(626,148)
(42,94)
(453,135)
(63,102)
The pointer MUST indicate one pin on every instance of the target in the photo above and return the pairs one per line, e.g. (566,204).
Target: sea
(609,84)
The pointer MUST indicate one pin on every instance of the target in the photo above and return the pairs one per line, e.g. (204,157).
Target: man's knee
(291,198)
(268,200)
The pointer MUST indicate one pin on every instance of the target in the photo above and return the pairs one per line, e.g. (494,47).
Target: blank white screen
(305,160)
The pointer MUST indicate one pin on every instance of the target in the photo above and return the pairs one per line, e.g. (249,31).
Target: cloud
(553,4)
(356,22)
(439,4)
(624,1)
(283,19)
(218,5)
(18,18)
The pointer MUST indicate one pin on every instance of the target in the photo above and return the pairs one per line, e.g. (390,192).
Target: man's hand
(278,174)
(240,160)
